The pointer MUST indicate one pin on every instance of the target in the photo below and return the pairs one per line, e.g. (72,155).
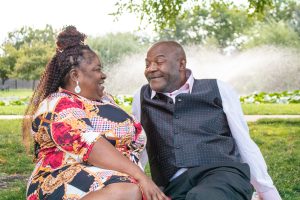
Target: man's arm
(249,151)
(136,105)
(136,111)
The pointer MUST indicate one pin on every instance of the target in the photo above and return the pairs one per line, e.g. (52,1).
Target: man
(198,141)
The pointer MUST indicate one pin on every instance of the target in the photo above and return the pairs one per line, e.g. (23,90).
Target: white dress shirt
(248,150)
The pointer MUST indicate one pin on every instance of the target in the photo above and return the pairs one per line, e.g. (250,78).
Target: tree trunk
(33,85)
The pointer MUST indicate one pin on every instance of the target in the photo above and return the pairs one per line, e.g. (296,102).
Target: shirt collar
(188,84)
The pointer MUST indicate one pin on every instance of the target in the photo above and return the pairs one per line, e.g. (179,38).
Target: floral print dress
(65,128)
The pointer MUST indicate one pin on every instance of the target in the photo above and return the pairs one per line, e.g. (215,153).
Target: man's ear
(182,64)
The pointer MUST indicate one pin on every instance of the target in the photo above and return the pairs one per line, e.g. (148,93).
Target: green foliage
(163,14)
(7,61)
(223,21)
(273,33)
(32,61)
(28,35)
(26,53)
(112,47)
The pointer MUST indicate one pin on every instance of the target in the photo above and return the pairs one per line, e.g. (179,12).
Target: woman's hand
(150,190)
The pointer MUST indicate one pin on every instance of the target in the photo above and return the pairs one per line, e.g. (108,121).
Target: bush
(284,97)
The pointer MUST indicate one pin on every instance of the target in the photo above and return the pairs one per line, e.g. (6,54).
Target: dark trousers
(212,183)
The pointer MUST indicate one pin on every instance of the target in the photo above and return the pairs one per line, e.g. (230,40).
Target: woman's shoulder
(56,102)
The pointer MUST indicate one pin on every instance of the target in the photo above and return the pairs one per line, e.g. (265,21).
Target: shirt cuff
(269,195)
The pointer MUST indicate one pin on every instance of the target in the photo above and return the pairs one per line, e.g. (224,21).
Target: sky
(89,16)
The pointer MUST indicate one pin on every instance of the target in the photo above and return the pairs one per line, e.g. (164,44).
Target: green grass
(21,93)
(278,139)
(13,159)
(12,110)
(271,109)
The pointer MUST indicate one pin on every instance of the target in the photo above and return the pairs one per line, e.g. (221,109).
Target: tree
(195,21)
(7,61)
(163,14)
(223,21)
(26,52)
(32,60)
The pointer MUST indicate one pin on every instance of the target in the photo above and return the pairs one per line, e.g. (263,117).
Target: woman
(86,147)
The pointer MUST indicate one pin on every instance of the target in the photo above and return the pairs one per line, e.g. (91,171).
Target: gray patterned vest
(192,132)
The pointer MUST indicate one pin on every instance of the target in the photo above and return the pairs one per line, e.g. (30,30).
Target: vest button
(179,99)
(176,117)
(171,102)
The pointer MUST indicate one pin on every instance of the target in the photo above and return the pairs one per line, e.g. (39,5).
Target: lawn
(249,109)
(12,110)
(14,163)
(279,140)
(21,93)
(271,109)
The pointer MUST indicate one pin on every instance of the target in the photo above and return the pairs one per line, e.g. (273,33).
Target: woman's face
(91,77)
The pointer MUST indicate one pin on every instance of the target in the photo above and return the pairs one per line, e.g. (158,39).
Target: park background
(253,45)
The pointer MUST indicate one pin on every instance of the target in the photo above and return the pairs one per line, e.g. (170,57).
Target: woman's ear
(73,75)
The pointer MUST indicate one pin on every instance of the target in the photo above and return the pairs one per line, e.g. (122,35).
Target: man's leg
(178,188)
(224,183)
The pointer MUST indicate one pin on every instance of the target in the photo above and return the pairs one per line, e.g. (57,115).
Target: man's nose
(152,66)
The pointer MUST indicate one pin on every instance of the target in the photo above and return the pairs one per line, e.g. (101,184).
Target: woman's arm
(104,155)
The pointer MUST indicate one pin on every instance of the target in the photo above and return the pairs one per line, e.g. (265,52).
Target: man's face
(164,71)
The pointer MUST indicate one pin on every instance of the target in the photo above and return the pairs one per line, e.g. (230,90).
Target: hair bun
(69,37)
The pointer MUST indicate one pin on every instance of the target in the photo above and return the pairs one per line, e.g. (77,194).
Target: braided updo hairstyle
(70,52)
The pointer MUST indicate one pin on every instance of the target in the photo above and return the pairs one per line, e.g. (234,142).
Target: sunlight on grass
(271,109)
(21,93)
(279,141)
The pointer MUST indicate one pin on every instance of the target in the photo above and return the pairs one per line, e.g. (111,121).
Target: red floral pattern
(67,139)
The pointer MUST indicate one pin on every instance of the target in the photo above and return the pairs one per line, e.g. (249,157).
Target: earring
(77,88)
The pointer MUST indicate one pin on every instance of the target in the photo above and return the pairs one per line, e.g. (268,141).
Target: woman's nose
(103,76)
